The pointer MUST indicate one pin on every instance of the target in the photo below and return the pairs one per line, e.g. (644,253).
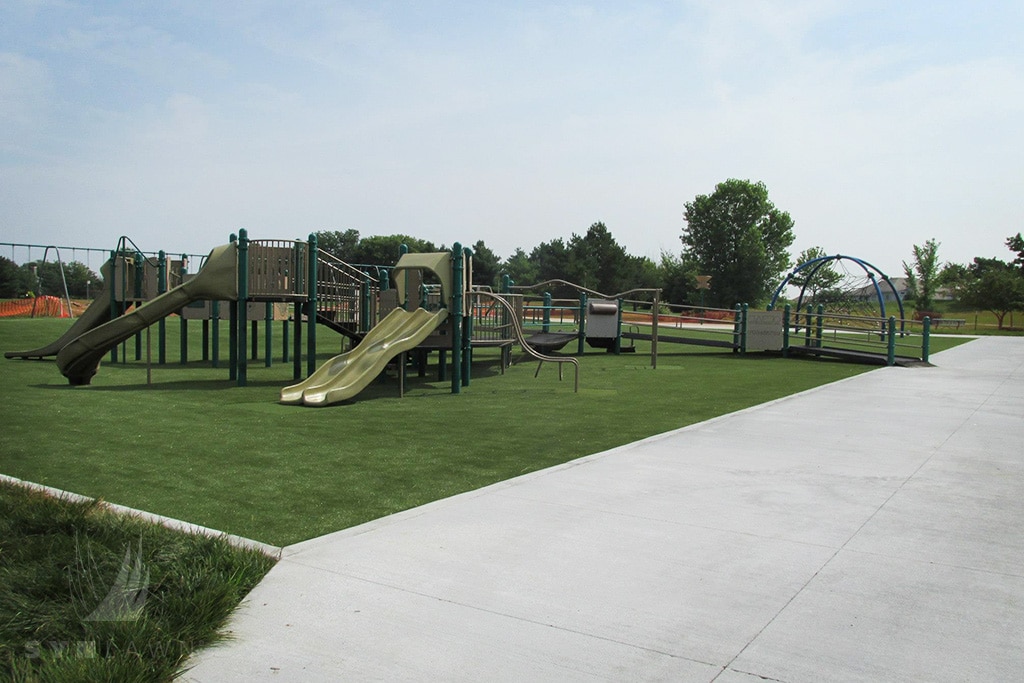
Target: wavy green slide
(94,316)
(217,279)
(346,375)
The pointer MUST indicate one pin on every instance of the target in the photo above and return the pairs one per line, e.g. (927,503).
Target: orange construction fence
(37,307)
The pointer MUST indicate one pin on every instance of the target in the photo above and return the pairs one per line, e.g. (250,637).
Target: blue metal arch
(872,272)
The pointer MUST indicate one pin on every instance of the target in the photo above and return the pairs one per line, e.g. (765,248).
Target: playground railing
(890,337)
(278,269)
(716,326)
(545,312)
(504,300)
(345,294)
(492,322)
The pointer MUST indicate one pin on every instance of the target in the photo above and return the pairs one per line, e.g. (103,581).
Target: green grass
(59,558)
(192,446)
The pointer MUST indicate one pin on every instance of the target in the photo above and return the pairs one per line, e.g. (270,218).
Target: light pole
(87,283)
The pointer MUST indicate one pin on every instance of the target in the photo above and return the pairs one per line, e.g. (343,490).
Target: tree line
(39,278)
(988,284)
(735,235)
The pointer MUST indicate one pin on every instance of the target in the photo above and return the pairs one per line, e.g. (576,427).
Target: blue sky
(877,125)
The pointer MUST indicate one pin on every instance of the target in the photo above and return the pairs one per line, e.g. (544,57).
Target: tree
(817,279)
(923,274)
(954,276)
(993,286)
(44,278)
(384,250)
(738,237)
(596,261)
(678,282)
(1016,243)
(486,265)
(551,260)
(13,282)
(339,244)
(520,268)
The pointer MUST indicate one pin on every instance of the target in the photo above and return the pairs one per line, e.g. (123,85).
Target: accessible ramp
(346,375)
(216,280)
(95,315)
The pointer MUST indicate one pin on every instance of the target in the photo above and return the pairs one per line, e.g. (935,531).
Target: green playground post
(546,319)
(364,305)
(215,338)
(206,339)
(161,288)
(891,351)
(284,340)
(268,347)
(786,312)
(137,293)
(243,307)
(926,336)
(819,326)
(112,294)
(183,351)
(312,255)
(808,323)
(455,315)
(743,327)
(582,335)
(467,324)
(737,327)
(297,342)
(506,321)
(233,331)
(404,296)
(618,330)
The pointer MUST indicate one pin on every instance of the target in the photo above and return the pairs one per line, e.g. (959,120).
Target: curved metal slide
(218,279)
(346,375)
(94,316)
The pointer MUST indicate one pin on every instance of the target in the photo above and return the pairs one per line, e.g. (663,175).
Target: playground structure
(873,339)
(288,281)
(425,303)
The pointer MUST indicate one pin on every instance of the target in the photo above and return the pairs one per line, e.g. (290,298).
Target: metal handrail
(521,338)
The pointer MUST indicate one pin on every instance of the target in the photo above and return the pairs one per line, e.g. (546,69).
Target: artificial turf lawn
(195,447)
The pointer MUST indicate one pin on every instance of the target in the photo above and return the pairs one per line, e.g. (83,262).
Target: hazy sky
(877,125)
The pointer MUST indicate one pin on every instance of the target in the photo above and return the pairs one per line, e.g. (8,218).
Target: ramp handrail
(354,272)
(340,292)
(521,338)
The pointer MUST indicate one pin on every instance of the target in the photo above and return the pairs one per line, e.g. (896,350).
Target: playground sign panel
(764,330)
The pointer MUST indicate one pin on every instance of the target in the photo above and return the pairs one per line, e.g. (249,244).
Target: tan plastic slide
(346,375)
(218,279)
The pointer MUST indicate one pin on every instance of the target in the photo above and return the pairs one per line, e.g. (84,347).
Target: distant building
(902,286)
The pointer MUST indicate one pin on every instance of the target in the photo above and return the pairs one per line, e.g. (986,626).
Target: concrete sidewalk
(868,530)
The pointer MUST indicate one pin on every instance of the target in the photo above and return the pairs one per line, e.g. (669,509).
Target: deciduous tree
(993,286)
(736,235)
(923,274)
